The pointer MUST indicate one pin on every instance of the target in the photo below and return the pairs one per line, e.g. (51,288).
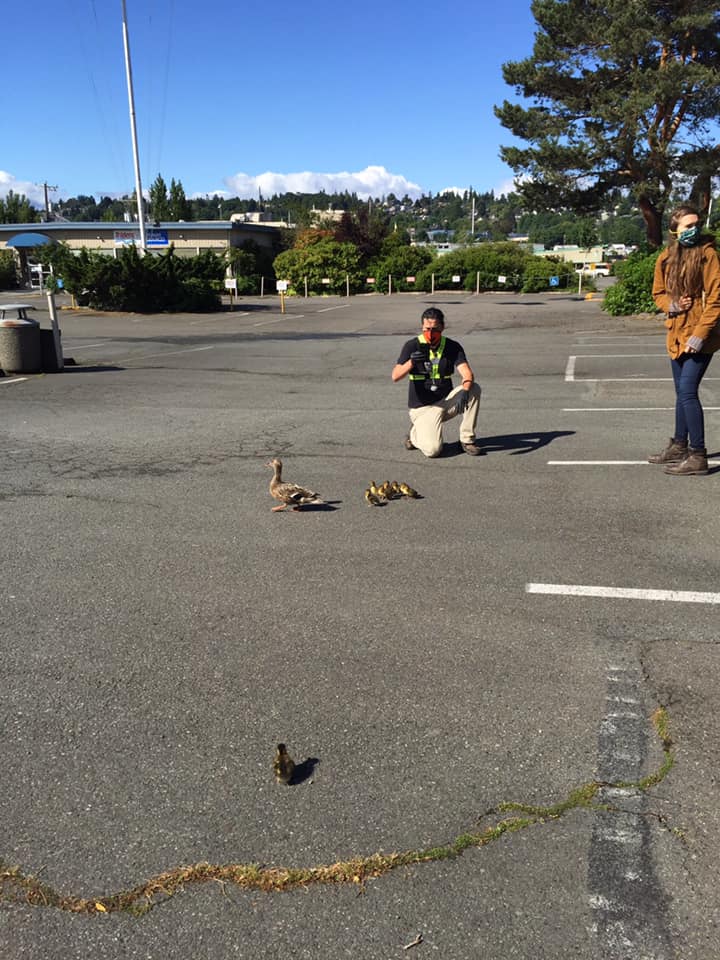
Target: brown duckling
(374,490)
(283,765)
(373,498)
(407,491)
(384,490)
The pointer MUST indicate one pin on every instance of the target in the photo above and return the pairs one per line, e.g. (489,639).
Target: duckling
(407,491)
(395,491)
(289,493)
(373,499)
(283,765)
(374,490)
(384,490)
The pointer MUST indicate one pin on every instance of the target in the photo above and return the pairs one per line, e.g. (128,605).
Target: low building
(188,238)
(571,253)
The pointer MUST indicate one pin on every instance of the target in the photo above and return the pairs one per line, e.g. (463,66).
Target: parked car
(594,270)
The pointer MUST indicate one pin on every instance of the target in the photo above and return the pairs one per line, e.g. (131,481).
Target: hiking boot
(472,448)
(674,452)
(695,464)
(409,445)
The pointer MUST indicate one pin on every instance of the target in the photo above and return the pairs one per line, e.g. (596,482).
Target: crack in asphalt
(16,886)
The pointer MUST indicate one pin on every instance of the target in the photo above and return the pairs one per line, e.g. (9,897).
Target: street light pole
(133,129)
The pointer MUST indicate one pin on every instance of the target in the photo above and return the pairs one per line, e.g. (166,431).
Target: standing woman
(687,288)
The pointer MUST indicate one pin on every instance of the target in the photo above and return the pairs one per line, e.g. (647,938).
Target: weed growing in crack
(17,887)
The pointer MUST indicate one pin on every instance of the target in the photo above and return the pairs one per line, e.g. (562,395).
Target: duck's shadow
(317,507)
(303,771)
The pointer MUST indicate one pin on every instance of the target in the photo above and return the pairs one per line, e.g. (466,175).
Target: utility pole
(133,129)
(46,187)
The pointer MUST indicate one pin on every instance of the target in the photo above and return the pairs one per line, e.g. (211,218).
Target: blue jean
(688,370)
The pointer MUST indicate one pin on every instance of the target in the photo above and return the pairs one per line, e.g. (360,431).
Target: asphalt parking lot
(510,682)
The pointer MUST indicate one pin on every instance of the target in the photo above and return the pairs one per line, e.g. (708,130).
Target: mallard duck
(395,490)
(373,499)
(408,491)
(283,765)
(289,493)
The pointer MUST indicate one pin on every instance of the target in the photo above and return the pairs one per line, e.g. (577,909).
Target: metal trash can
(20,346)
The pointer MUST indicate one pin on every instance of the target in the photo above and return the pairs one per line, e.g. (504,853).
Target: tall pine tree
(624,94)
(180,209)
(159,205)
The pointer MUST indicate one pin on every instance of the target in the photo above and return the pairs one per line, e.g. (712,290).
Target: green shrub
(324,258)
(149,284)
(632,293)
(8,270)
(482,265)
(400,263)
(539,270)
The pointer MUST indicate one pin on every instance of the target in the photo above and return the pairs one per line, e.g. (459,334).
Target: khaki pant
(426,431)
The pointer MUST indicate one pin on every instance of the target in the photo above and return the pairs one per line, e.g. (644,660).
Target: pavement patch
(626,899)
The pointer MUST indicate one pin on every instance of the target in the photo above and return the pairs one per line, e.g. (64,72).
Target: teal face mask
(690,237)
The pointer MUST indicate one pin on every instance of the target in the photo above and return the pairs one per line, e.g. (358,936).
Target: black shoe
(409,445)
(472,448)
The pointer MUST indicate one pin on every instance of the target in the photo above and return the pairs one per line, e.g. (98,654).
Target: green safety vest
(435,355)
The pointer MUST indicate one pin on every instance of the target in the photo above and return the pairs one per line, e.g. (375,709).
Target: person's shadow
(518,443)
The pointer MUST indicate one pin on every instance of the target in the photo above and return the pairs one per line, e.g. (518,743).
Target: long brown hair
(684,265)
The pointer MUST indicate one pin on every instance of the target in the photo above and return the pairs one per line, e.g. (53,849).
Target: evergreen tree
(623,95)
(16,208)
(159,205)
(180,209)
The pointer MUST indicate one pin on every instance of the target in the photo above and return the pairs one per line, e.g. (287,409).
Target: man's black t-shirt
(419,392)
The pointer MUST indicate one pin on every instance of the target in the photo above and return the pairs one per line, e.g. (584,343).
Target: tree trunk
(653,222)
(700,193)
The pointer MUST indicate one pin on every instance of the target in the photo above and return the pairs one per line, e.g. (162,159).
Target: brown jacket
(701,320)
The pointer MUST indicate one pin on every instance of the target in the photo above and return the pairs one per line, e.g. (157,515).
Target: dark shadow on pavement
(96,368)
(246,307)
(318,507)
(521,442)
(303,771)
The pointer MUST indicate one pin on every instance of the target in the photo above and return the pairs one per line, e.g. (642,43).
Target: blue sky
(235,97)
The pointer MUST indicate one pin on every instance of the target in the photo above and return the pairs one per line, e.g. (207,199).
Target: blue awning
(29,240)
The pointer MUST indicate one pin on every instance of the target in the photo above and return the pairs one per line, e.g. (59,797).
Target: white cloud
(371,182)
(33,191)
(508,186)
(458,191)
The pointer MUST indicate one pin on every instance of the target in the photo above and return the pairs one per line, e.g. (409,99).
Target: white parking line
(14,380)
(86,346)
(622,593)
(609,463)
(341,307)
(572,362)
(617,356)
(622,409)
(167,353)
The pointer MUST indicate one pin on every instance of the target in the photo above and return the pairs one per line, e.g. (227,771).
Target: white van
(594,270)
